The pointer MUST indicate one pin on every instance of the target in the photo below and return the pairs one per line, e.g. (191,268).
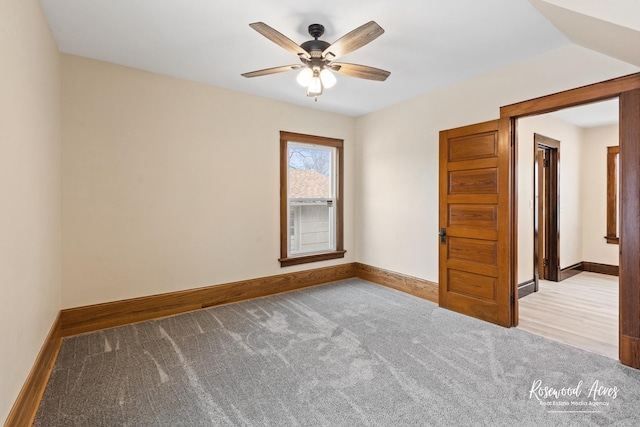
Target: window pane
(310,170)
(310,226)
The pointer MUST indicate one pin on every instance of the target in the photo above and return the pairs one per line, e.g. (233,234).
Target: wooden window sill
(303,259)
(612,240)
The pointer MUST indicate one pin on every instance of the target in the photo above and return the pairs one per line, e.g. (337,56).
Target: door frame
(552,203)
(627,89)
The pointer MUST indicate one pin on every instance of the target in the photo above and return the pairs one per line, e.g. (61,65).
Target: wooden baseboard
(26,405)
(418,287)
(594,267)
(526,288)
(571,271)
(117,313)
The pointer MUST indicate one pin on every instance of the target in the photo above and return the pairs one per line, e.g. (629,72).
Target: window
(613,177)
(310,199)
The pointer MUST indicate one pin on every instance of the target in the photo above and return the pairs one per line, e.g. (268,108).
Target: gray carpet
(346,354)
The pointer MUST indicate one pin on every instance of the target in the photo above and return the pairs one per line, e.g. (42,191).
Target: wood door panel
(478,199)
(474,307)
(474,264)
(474,164)
(473,285)
(482,234)
(472,267)
(477,216)
(473,147)
(475,181)
(473,250)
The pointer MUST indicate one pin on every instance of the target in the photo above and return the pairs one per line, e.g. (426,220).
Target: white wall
(397,169)
(171,185)
(594,194)
(29,191)
(571,203)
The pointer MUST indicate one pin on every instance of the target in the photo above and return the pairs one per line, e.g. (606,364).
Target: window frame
(285,258)
(612,195)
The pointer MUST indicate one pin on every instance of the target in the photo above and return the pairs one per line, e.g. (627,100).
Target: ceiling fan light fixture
(305,76)
(315,85)
(327,78)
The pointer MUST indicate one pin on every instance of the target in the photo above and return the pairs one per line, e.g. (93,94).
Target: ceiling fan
(317,56)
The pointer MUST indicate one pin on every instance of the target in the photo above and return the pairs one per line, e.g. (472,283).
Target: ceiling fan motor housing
(315,47)
(316,30)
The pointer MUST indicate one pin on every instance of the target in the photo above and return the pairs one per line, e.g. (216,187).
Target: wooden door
(542,206)
(474,265)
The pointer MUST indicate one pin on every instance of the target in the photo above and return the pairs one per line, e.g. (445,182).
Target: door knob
(443,235)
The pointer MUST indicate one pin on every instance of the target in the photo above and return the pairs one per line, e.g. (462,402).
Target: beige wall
(594,194)
(572,206)
(29,191)
(397,169)
(171,185)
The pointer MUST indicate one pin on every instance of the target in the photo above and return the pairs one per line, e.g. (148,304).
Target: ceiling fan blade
(279,39)
(360,71)
(354,40)
(273,70)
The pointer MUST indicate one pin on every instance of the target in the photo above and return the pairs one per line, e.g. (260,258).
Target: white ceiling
(610,27)
(591,115)
(427,44)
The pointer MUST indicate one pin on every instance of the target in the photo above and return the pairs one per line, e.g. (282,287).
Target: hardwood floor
(581,311)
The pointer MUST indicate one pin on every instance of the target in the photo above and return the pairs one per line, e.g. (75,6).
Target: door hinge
(545,262)
(545,163)
(513,299)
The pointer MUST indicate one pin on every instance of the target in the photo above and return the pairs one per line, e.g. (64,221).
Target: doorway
(546,205)
(572,304)
(628,90)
